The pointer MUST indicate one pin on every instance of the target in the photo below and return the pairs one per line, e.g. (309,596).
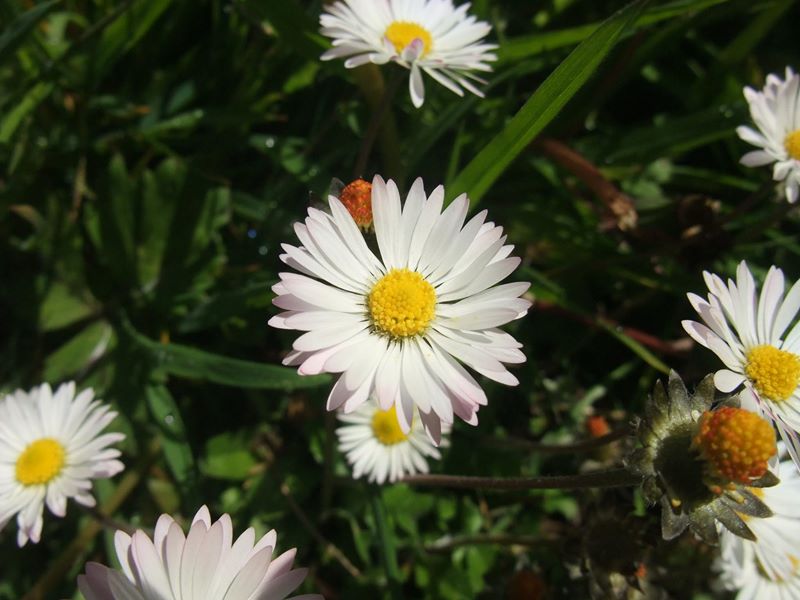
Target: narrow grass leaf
(542,107)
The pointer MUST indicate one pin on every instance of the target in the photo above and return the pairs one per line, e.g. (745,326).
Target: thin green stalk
(387,547)
(598,479)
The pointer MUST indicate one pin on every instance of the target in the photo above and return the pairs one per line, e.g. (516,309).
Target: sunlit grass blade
(542,107)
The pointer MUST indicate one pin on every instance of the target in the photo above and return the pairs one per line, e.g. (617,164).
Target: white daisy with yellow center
(768,568)
(421,35)
(757,337)
(376,446)
(51,447)
(206,563)
(776,113)
(397,327)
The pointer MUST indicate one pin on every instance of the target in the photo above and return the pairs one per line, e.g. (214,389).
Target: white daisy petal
(744,329)
(52,448)
(200,565)
(431,300)
(420,35)
(775,111)
(375,445)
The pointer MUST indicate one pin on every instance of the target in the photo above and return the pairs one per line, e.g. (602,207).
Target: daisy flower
(767,568)
(375,445)
(51,447)
(397,327)
(705,465)
(205,563)
(421,35)
(751,334)
(776,113)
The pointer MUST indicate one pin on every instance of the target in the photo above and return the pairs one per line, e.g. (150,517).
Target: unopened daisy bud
(597,426)
(736,444)
(357,199)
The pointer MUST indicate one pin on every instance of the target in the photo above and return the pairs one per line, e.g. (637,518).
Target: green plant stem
(599,479)
(378,95)
(387,548)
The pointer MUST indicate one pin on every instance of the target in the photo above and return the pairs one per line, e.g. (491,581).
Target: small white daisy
(768,567)
(776,113)
(397,327)
(376,446)
(205,563)
(752,336)
(51,448)
(421,35)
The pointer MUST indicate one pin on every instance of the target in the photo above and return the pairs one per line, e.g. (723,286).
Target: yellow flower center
(402,33)
(357,199)
(792,144)
(386,427)
(736,443)
(40,462)
(774,373)
(402,303)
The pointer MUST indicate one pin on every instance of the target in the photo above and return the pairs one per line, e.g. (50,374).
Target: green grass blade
(542,107)
(12,37)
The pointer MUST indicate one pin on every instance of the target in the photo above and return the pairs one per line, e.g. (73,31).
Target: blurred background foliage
(154,154)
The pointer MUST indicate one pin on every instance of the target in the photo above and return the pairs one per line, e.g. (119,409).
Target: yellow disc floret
(774,373)
(40,462)
(737,444)
(792,144)
(386,427)
(402,33)
(401,304)
(357,199)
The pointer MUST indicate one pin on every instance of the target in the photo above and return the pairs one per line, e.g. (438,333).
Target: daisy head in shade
(376,446)
(400,326)
(430,36)
(776,113)
(757,337)
(205,563)
(51,448)
(766,568)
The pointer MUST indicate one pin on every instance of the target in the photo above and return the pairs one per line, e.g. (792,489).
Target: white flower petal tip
(756,335)
(775,110)
(766,569)
(433,36)
(376,447)
(52,446)
(399,328)
(205,563)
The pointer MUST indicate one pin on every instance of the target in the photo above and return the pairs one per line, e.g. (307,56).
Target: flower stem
(388,550)
(379,96)
(598,479)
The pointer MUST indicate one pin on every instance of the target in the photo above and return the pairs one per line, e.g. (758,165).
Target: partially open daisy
(205,563)
(397,327)
(704,464)
(377,447)
(51,447)
(768,567)
(421,35)
(752,336)
(776,113)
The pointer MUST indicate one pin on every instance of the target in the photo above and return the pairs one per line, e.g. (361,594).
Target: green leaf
(183,361)
(79,353)
(167,418)
(227,456)
(15,33)
(126,31)
(31,99)
(542,107)
(61,307)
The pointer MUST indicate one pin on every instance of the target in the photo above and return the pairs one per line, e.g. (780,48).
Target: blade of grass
(542,107)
